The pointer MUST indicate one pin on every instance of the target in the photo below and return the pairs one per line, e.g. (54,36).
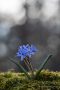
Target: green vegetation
(18,81)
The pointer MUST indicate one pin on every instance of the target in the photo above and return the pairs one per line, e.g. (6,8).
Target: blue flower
(26,50)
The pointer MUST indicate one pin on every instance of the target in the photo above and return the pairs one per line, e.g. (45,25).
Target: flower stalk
(27,64)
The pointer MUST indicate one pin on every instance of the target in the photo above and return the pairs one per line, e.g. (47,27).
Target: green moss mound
(18,81)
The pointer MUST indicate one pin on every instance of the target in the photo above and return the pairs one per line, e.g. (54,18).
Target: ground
(18,81)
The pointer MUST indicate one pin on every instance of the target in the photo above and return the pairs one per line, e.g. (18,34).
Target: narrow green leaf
(20,67)
(43,64)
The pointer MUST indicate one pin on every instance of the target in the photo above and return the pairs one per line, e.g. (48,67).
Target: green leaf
(43,64)
(20,67)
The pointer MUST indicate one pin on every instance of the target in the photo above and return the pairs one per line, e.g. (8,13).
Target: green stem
(30,65)
(43,64)
(31,68)
(20,67)
(27,64)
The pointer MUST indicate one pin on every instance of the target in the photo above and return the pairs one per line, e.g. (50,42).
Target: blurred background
(30,22)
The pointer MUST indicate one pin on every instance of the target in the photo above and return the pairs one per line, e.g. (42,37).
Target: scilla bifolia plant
(25,52)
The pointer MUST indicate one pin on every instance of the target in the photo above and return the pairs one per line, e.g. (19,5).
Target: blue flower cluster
(26,50)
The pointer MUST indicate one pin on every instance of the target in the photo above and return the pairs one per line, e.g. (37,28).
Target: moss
(47,75)
(18,81)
